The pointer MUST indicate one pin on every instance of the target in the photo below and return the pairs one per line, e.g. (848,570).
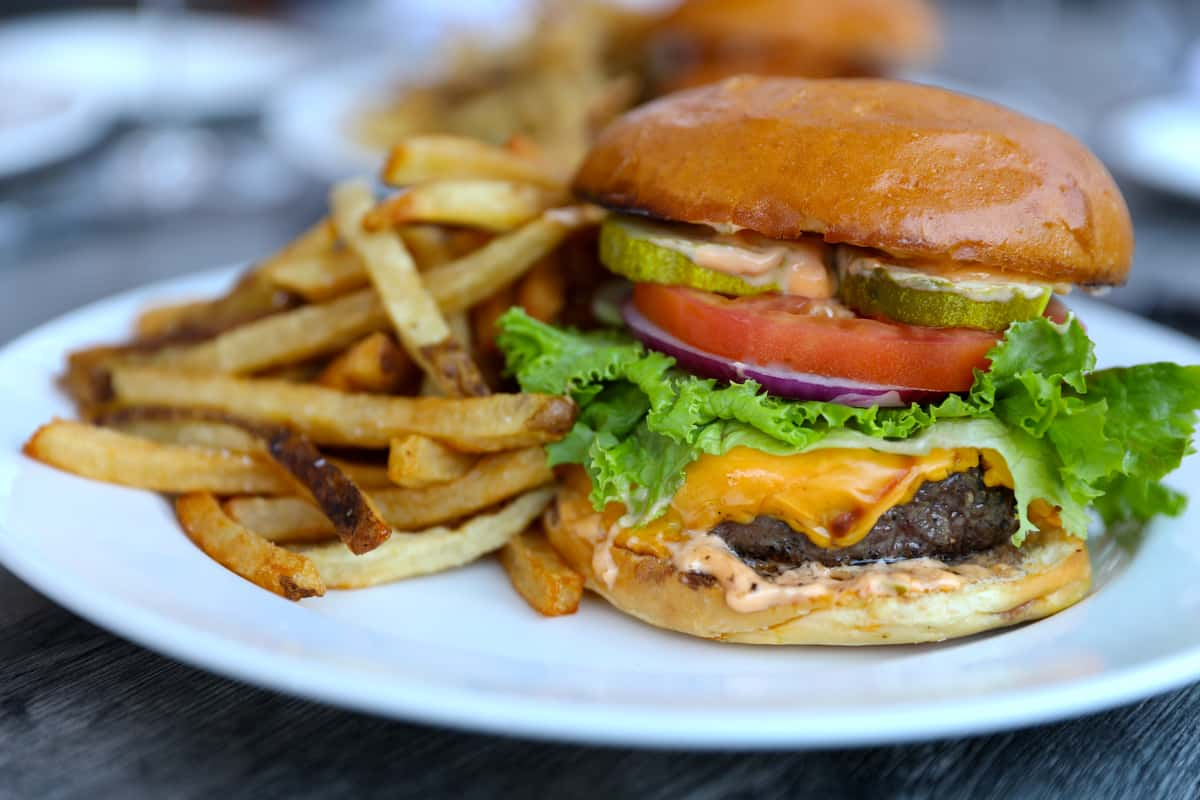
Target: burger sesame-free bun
(1052,572)
(917,172)
(705,40)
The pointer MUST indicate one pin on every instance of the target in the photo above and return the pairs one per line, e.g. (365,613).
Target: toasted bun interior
(1002,588)
(917,172)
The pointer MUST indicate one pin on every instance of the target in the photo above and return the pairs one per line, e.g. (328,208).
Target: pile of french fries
(334,419)
(573,72)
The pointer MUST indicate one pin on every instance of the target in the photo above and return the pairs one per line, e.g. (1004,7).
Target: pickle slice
(875,293)
(626,251)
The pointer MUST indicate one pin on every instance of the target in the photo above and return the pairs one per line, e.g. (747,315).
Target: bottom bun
(873,604)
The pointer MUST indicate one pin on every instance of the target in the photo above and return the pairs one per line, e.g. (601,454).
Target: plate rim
(580,721)
(297,46)
(48,142)
(1122,124)
(337,94)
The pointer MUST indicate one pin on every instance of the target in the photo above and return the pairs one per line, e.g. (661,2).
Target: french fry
(492,116)
(415,462)
(275,569)
(489,205)
(551,105)
(460,241)
(250,298)
(298,372)
(523,146)
(428,388)
(542,292)
(314,266)
(365,476)
(318,238)
(429,245)
(221,436)
(158,321)
(374,364)
(87,380)
(460,327)
(474,424)
(296,520)
(424,158)
(415,110)
(281,519)
(114,457)
(429,551)
(215,398)
(492,480)
(474,277)
(540,575)
(611,100)
(489,481)
(150,423)
(351,512)
(414,313)
(284,338)
(320,276)
(299,334)
(484,317)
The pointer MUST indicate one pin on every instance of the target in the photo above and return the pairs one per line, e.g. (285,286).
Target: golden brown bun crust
(1054,572)
(915,171)
(705,40)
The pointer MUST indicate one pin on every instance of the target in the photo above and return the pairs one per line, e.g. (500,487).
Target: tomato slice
(1057,311)
(778,330)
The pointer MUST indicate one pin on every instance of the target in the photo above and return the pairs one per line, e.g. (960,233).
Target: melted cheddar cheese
(833,496)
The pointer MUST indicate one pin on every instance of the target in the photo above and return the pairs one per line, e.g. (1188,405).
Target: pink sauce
(800,267)
(746,591)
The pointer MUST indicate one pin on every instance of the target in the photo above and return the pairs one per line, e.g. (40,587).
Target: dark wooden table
(85,714)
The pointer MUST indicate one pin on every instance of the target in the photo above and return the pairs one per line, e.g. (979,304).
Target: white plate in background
(1156,141)
(41,125)
(311,121)
(1033,101)
(462,649)
(194,65)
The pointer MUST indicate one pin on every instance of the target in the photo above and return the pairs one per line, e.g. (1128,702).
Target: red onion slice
(779,381)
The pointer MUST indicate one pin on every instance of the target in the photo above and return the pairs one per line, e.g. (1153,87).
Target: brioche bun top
(804,38)
(921,173)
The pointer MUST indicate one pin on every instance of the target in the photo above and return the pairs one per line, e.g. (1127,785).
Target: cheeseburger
(845,405)
(702,41)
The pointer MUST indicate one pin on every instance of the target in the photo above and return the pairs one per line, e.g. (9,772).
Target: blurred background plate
(311,121)
(1156,142)
(42,125)
(217,65)
(1030,102)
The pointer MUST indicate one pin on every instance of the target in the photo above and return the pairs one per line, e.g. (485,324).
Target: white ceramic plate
(41,125)
(461,649)
(311,120)
(1031,101)
(195,64)
(1157,142)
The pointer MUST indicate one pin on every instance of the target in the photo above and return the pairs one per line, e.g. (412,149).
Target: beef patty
(946,519)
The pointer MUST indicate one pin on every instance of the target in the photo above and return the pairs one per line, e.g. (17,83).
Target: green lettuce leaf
(1072,437)
(1151,415)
